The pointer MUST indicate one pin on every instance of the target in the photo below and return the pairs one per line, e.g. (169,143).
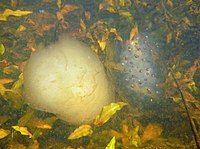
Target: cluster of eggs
(140,76)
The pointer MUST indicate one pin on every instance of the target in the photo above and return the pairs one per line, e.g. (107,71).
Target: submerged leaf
(9,12)
(107,112)
(107,5)
(21,28)
(134,32)
(83,130)
(2,83)
(3,119)
(4,133)
(59,3)
(113,30)
(169,37)
(151,132)
(23,131)
(82,25)
(134,137)
(102,44)
(126,14)
(39,123)
(5,81)
(111,144)
(10,69)
(68,8)
(2,49)
(113,65)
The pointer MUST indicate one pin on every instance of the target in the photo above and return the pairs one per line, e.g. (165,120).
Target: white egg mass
(67,79)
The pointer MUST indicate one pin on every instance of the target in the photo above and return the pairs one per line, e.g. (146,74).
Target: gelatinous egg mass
(140,75)
(67,79)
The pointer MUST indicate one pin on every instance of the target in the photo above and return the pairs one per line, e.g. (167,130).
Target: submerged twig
(192,125)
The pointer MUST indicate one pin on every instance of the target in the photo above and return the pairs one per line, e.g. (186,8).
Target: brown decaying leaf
(13,3)
(4,63)
(59,16)
(39,123)
(129,135)
(35,145)
(68,8)
(87,15)
(188,76)
(134,32)
(107,5)
(152,131)
(113,65)
(188,96)
(169,37)
(83,130)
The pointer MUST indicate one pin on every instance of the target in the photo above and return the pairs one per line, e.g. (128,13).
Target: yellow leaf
(23,131)
(2,49)
(126,14)
(10,69)
(111,144)
(18,84)
(21,28)
(113,30)
(83,130)
(134,32)
(9,12)
(59,3)
(5,81)
(192,87)
(121,2)
(135,138)
(82,24)
(3,18)
(178,75)
(102,44)
(111,9)
(107,112)
(2,88)
(176,99)
(4,133)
